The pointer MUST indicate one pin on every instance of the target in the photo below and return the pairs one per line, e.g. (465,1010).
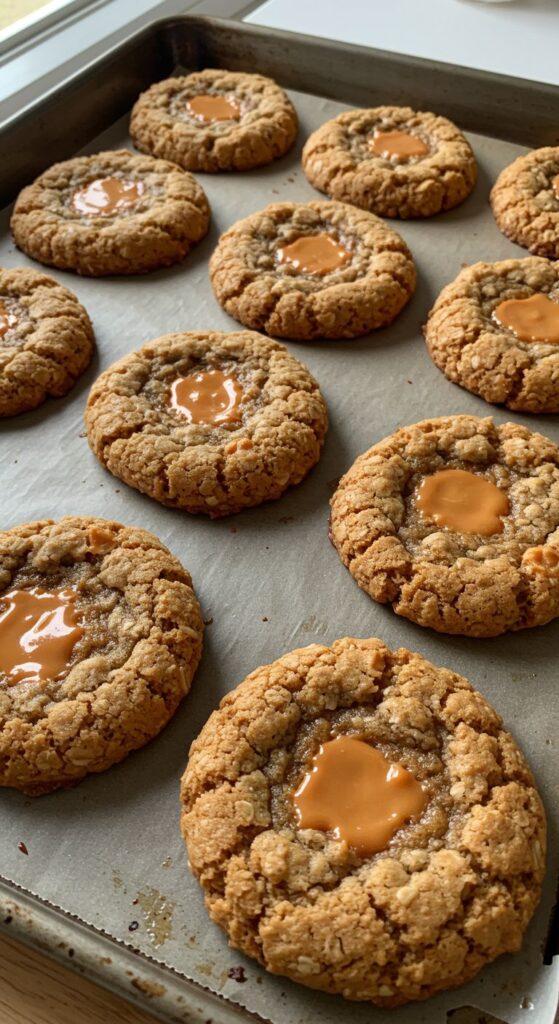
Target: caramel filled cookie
(495,331)
(455,523)
(100,636)
(111,213)
(312,270)
(525,201)
(46,340)
(361,822)
(208,422)
(394,161)
(215,120)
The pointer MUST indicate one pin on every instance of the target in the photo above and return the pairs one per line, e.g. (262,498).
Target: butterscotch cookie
(207,421)
(100,636)
(111,213)
(394,161)
(46,339)
(455,523)
(495,331)
(525,201)
(361,822)
(312,270)
(215,120)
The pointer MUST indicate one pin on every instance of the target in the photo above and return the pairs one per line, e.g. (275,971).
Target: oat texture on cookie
(207,421)
(100,636)
(476,577)
(393,161)
(46,340)
(495,331)
(215,120)
(452,889)
(110,213)
(312,270)
(525,201)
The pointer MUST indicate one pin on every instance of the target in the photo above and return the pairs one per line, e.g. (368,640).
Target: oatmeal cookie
(312,270)
(394,161)
(495,331)
(455,522)
(111,213)
(100,636)
(207,421)
(452,888)
(46,340)
(215,120)
(525,201)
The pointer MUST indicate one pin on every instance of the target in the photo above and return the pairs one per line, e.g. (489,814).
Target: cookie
(46,340)
(312,270)
(215,120)
(100,636)
(208,422)
(525,201)
(111,213)
(455,523)
(394,161)
(387,900)
(495,331)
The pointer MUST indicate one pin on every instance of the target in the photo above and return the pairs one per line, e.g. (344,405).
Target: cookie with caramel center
(525,201)
(110,213)
(393,161)
(100,636)
(215,120)
(455,523)
(361,822)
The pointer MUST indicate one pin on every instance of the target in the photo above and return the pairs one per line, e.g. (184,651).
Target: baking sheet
(109,851)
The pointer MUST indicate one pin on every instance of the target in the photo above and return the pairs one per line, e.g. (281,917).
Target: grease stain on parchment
(158,915)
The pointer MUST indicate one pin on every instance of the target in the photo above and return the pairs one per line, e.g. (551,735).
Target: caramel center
(314,254)
(207,397)
(555,185)
(463,502)
(354,792)
(533,319)
(7,319)
(38,631)
(106,196)
(401,144)
(213,108)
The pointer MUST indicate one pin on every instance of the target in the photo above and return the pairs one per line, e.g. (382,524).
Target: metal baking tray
(101,881)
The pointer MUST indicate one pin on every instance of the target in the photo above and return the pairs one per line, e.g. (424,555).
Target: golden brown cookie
(215,120)
(312,270)
(455,885)
(111,213)
(495,331)
(46,339)
(207,421)
(525,201)
(394,161)
(455,523)
(100,636)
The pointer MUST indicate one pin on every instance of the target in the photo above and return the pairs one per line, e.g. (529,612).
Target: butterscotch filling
(533,319)
(38,631)
(463,502)
(210,396)
(7,319)
(106,196)
(213,108)
(314,254)
(354,792)
(403,145)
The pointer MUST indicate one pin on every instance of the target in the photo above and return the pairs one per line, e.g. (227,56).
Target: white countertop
(518,38)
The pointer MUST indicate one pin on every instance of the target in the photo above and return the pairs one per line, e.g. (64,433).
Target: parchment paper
(109,850)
